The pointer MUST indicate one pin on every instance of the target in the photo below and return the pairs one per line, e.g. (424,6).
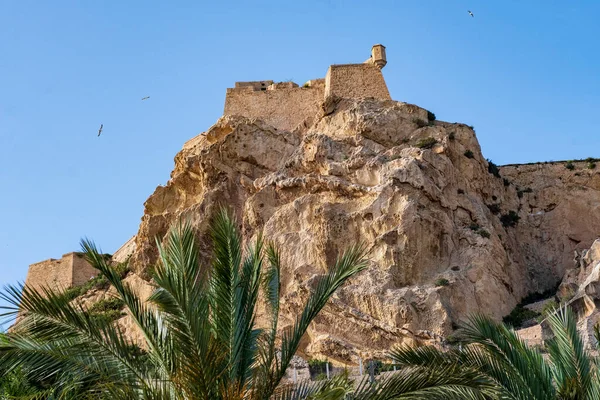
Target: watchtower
(378,55)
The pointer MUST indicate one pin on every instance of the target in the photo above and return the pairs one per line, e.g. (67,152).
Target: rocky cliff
(449,234)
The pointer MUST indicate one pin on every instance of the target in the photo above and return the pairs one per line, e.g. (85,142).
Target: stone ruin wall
(125,251)
(285,106)
(282,106)
(356,81)
(70,270)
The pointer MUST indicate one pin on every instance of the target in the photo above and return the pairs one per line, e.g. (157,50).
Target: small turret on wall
(378,55)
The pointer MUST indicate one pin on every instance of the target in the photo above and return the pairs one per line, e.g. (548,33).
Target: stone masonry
(71,270)
(286,106)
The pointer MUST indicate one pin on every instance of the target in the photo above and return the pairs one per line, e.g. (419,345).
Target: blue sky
(524,73)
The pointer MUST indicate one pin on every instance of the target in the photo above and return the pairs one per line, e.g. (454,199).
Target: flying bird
(146,98)
(100,130)
(470,13)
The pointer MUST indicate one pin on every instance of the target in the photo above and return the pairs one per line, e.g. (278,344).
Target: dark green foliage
(591,165)
(505,181)
(483,233)
(317,367)
(469,154)
(14,384)
(569,165)
(479,230)
(451,136)
(494,208)
(430,116)
(98,282)
(379,366)
(453,339)
(320,377)
(509,220)
(442,282)
(519,315)
(419,122)
(537,296)
(460,191)
(405,140)
(493,169)
(474,226)
(110,304)
(426,143)
(514,370)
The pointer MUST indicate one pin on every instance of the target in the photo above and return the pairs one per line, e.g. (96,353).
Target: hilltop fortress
(337,161)
(285,105)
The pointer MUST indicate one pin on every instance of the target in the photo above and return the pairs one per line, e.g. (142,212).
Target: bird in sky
(146,98)
(470,13)
(100,130)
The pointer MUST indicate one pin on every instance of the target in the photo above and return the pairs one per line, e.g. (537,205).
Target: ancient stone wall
(81,270)
(282,107)
(123,253)
(355,81)
(70,270)
(533,336)
(51,272)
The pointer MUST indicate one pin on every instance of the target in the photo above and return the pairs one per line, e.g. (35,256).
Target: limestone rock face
(560,214)
(417,192)
(580,288)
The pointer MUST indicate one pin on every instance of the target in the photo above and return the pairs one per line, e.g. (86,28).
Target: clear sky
(524,73)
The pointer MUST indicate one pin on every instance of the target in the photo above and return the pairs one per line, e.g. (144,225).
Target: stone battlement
(286,105)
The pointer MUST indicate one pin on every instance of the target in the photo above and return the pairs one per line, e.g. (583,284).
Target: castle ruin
(285,105)
(71,270)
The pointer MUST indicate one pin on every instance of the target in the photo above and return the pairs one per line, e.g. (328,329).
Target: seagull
(100,130)
(470,13)
(146,98)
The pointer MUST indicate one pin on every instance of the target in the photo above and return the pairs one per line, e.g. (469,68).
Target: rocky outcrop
(560,214)
(579,290)
(418,192)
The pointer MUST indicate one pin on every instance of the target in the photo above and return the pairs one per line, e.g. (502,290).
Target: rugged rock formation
(580,290)
(418,192)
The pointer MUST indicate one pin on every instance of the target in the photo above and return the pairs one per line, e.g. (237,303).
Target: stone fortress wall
(285,105)
(70,270)
(355,81)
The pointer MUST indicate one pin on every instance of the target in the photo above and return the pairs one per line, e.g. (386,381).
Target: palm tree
(199,325)
(517,371)
(200,336)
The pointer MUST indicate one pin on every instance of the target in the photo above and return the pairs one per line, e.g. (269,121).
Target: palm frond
(349,264)
(498,352)
(444,381)
(572,365)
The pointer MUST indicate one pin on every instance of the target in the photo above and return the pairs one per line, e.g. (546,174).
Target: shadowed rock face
(370,172)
